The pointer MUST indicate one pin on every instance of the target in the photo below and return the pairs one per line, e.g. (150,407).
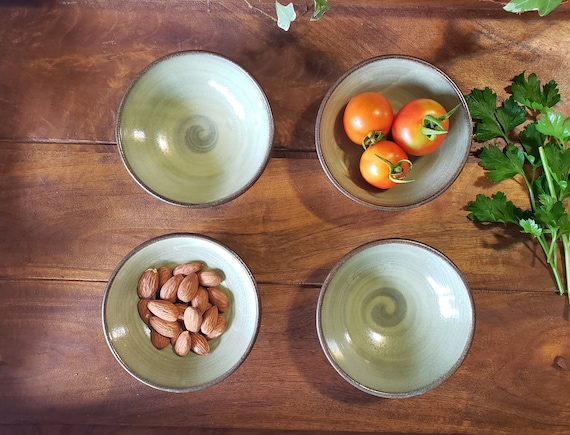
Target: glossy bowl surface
(400,79)
(395,318)
(128,336)
(195,129)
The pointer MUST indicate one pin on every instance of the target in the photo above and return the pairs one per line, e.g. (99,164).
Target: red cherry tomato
(367,113)
(420,126)
(384,164)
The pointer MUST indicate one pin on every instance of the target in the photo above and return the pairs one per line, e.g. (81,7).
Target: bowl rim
(156,385)
(322,339)
(120,146)
(333,88)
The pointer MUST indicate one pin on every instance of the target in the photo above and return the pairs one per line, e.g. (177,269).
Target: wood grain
(71,211)
(66,65)
(56,325)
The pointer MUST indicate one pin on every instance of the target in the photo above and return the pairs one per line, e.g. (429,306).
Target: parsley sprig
(535,151)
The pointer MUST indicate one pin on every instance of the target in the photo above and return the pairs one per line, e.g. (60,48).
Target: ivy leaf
(502,165)
(529,92)
(285,15)
(552,123)
(544,7)
(494,209)
(321,6)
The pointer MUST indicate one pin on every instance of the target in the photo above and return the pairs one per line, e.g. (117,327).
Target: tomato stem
(372,137)
(432,126)
(397,172)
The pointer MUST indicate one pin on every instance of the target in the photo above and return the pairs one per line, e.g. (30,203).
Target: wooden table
(70,212)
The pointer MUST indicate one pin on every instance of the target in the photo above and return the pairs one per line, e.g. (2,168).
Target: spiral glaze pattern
(201,134)
(385,307)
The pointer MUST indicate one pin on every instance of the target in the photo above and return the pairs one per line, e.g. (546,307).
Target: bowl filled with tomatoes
(393,132)
(195,129)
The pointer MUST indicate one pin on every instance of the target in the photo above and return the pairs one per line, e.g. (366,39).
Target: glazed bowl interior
(400,79)
(128,336)
(195,129)
(395,318)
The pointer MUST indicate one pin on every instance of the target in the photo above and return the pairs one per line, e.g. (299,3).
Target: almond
(188,287)
(144,312)
(148,284)
(192,319)
(219,329)
(210,320)
(209,278)
(183,344)
(164,274)
(219,298)
(201,300)
(158,340)
(169,290)
(164,309)
(163,327)
(181,308)
(188,268)
(199,344)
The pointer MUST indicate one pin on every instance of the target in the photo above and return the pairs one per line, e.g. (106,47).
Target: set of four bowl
(394,317)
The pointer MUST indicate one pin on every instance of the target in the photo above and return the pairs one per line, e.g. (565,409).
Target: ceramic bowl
(195,129)
(400,79)
(395,318)
(128,336)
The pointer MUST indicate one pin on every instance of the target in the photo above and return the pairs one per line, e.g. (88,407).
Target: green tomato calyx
(372,137)
(397,173)
(432,126)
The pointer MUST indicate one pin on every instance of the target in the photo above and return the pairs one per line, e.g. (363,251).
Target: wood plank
(72,212)
(286,383)
(66,64)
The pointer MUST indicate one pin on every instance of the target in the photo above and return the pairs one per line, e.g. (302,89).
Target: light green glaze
(395,318)
(195,129)
(129,338)
(400,79)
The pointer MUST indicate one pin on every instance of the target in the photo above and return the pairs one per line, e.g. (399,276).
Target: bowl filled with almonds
(181,312)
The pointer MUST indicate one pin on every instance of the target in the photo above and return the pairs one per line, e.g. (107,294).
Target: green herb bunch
(535,151)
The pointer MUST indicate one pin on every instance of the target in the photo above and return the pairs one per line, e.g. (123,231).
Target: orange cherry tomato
(365,114)
(421,126)
(384,164)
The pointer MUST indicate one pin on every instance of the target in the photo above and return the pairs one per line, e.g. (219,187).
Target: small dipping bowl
(395,318)
(195,129)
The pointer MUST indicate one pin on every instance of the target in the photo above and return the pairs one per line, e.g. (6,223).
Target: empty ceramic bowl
(128,336)
(400,79)
(195,129)
(395,318)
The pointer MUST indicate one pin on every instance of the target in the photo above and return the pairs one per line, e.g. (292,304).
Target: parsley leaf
(494,121)
(529,92)
(494,209)
(554,124)
(502,165)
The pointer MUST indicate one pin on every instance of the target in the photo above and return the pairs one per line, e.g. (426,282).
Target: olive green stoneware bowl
(195,129)
(395,318)
(400,79)
(128,336)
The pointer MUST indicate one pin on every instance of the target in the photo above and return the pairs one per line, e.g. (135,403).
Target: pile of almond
(182,307)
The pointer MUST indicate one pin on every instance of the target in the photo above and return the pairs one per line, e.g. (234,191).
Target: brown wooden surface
(69,212)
